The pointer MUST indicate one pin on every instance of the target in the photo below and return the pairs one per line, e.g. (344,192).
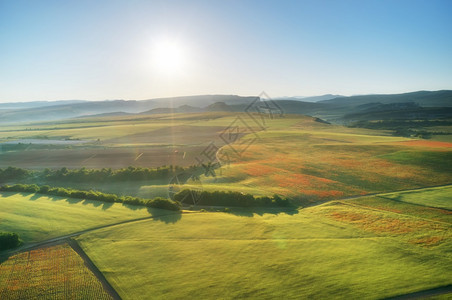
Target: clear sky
(137,49)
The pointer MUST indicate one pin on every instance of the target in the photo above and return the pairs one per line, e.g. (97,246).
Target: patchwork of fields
(295,156)
(36,217)
(373,211)
(354,249)
(366,247)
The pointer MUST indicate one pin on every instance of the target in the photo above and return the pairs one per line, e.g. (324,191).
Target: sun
(169,57)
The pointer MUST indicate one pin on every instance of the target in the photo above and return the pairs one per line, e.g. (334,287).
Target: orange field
(56,272)
(418,231)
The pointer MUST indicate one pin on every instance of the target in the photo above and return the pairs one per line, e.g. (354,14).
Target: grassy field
(36,217)
(440,197)
(295,156)
(368,248)
(49,273)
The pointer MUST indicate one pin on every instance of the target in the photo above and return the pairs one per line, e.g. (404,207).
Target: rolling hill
(337,109)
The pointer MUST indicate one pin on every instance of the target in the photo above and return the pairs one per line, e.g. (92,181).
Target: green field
(440,197)
(37,217)
(295,156)
(348,249)
(225,150)
(367,247)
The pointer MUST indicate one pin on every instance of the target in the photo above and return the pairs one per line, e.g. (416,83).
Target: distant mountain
(51,111)
(169,110)
(218,106)
(201,101)
(22,105)
(311,98)
(112,114)
(65,111)
(337,110)
(423,98)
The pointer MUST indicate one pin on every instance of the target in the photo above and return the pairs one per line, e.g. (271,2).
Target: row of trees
(13,173)
(8,240)
(93,195)
(103,175)
(96,175)
(222,198)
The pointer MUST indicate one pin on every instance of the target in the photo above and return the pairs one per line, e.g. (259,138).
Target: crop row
(50,273)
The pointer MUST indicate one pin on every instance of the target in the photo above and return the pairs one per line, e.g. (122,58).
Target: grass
(435,160)
(295,156)
(385,203)
(48,273)
(440,197)
(36,217)
(337,250)
(365,248)
(412,229)
(318,164)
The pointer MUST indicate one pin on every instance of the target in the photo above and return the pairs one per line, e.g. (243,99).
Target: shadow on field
(163,215)
(7,194)
(3,258)
(133,207)
(106,205)
(261,211)
(35,197)
(250,211)
(170,218)
(94,203)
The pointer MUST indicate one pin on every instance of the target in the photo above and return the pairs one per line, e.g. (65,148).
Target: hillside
(46,111)
(424,98)
(332,109)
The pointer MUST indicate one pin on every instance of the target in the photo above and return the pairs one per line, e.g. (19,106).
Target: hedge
(93,195)
(222,198)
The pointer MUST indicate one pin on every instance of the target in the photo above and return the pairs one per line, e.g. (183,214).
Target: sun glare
(169,57)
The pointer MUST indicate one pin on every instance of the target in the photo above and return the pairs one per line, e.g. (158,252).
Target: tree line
(223,198)
(13,173)
(157,202)
(96,175)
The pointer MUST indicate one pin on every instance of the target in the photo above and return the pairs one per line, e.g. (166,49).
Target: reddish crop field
(56,272)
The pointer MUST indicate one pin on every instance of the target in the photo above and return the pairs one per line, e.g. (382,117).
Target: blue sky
(95,50)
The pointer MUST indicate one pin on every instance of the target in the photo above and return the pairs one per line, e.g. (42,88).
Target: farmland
(364,224)
(435,197)
(55,272)
(362,248)
(368,247)
(210,150)
(295,156)
(37,217)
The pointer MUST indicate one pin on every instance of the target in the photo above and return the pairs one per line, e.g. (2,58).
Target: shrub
(221,198)
(44,189)
(164,204)
(8,240)
(31,188)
